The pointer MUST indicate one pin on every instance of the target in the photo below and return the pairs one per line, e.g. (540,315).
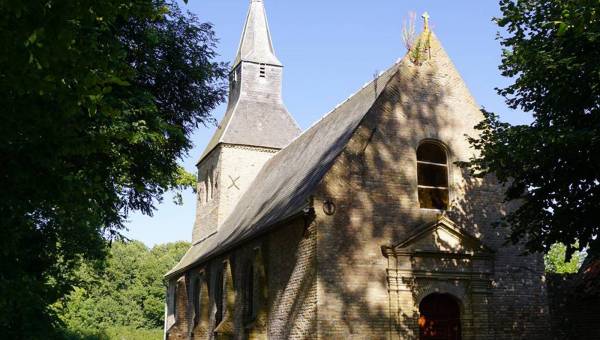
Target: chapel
(362,226)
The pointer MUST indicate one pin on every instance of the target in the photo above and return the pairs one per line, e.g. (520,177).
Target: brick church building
(361,226)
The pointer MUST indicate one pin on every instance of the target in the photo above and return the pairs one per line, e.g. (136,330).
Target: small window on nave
(211,176)
(216,181)
(218,296)
(196,296)
(432,176)
(202,192)
(208,188)
(175,297)
(249,304)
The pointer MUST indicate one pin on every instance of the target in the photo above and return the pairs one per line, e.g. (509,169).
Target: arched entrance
(439,318)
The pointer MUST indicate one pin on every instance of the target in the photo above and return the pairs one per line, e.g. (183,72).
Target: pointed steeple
(256,115)
(255,44)
(256,125)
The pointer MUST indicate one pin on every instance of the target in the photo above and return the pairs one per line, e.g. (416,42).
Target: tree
(98,99)
(555,260)
(552,166)
(129,291)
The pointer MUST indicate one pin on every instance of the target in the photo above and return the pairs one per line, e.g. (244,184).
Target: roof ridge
(285,180)
(340,104)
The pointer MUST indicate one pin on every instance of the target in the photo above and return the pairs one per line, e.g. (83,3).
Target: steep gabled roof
(282,187)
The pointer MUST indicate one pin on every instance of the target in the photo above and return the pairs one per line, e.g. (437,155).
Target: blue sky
(329,50)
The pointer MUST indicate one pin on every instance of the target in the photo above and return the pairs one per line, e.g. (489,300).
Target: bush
(115,333)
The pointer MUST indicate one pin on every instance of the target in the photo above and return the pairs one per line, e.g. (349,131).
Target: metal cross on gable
(234,182)
(425,17)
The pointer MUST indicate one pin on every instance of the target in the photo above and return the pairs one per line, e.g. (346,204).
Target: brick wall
(229,169)
(288,306)
(330,279)
(374,187)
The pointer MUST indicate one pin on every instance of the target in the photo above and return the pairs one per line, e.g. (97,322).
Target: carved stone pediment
(440,250)
(440,257)
(442,237)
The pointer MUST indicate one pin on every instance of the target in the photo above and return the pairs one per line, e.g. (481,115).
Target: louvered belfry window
(432,176)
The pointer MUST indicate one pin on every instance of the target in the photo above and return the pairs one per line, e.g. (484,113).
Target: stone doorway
(439,318)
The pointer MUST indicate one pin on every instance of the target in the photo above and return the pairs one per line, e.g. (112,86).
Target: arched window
(215,182)
(202,192)
(432,176)
(173,299)
(249,304)
(211,176)
(196,296)
(208,187)
(218,296)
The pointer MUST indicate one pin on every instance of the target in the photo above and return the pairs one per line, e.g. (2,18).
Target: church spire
(255,126)
(255,44)
(256,115)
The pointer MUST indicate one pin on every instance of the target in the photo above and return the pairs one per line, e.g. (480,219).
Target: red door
(440,318)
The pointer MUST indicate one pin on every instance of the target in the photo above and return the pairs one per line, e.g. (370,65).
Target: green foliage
(128,292)
(555,260)
(183,180)
(419,52)
(115,333)
(551,167)
(99,99)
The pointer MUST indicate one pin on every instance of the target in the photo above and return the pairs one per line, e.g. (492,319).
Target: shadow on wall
(374,185)
(292,296)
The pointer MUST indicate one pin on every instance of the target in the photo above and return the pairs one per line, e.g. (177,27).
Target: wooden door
(439,318)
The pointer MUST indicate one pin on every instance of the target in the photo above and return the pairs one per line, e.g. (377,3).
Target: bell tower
(255,126)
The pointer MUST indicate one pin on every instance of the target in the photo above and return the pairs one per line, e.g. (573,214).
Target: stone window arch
(432,175)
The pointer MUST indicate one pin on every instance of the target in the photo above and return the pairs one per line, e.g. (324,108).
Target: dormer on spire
(255,44)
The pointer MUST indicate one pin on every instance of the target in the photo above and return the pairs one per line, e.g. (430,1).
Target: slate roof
(255,117)
(282,187)
(255,44)
(256,123)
